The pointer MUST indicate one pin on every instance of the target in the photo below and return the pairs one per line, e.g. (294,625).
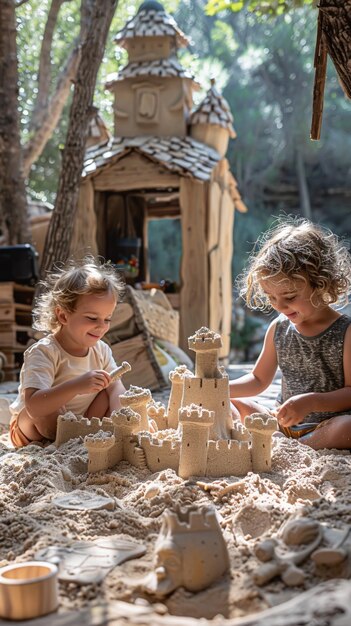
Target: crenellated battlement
(127,419)
(225,458)
(99,441)
(196,415)
(178,374)
(261,423)
(71,426)
(135,395)
(204,340)
(239,432)
(197,519)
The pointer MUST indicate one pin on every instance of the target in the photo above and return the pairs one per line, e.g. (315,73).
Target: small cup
(28,590)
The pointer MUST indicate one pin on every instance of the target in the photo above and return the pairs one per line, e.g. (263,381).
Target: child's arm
(296,408)
(114,390)
(263,372)
(42,402)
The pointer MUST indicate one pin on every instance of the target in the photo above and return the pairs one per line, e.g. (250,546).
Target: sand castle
(196,434)
(190,552)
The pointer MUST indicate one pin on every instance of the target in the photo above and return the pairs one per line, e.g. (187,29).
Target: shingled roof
(183,155)
(165,68)
(214,109)
(151,21)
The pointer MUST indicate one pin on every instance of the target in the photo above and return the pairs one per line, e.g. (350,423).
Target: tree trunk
(13,202)
(97,15)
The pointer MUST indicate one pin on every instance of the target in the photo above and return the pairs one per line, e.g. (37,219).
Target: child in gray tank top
(300,270)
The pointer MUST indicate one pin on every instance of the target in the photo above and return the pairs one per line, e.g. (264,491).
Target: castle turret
(209,387)
(137,398)
(196,423)
(206,344)
(261,427)
(126,422)
(98,446)
(175,397)
(211,122)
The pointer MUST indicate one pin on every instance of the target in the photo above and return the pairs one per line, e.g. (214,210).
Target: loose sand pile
(302,483)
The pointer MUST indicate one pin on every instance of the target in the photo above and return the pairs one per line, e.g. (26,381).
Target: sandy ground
(303,483)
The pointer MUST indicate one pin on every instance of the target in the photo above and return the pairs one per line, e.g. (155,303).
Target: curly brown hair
(295,248)
(65,284)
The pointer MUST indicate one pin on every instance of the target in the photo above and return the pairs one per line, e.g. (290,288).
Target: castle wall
(213,395)
(160,454)
(226,458)
(134,454)
(70,426)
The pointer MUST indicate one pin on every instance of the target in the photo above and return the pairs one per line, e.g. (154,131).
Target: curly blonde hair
(297,249)
(65,284)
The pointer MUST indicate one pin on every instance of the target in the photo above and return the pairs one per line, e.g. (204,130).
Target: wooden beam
(194,265)
(320,65)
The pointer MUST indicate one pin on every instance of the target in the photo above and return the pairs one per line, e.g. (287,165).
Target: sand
(302,483)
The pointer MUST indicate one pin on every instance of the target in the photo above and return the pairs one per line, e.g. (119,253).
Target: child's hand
(294,410)
(95,380)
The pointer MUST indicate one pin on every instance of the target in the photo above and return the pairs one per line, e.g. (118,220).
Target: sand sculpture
(298,540)
(196,434)
(190,552)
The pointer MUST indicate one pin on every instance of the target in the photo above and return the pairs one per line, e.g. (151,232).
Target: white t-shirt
(46,364)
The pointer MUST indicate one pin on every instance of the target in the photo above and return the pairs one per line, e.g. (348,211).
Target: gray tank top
(311,364)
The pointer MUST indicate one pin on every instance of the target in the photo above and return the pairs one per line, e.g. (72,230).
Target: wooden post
(194,264)
(320,65)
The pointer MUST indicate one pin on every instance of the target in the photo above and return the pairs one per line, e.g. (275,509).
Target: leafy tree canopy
(260,7)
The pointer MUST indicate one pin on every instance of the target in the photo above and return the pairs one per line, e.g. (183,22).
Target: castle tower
(261,427)
(209,387)
(175,397)
(196,423)
(153,92)
(126,422)
(98,447)
(137,398)
(212,121)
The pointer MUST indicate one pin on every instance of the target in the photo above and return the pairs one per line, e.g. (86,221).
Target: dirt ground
(302,484)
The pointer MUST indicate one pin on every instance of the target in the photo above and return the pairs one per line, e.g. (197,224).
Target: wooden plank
(215,291)
(194,263)
(6,293)
(134,172)
(213,215)
(7,312)
(226,250)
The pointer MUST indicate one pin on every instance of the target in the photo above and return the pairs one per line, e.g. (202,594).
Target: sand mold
(302,483)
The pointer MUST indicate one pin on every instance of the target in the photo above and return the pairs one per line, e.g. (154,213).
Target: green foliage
(260,7)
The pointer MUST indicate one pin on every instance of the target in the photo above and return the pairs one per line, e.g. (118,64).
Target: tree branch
(51,114)
(44,72)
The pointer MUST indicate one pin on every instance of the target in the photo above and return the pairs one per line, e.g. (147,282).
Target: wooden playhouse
(165,160)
